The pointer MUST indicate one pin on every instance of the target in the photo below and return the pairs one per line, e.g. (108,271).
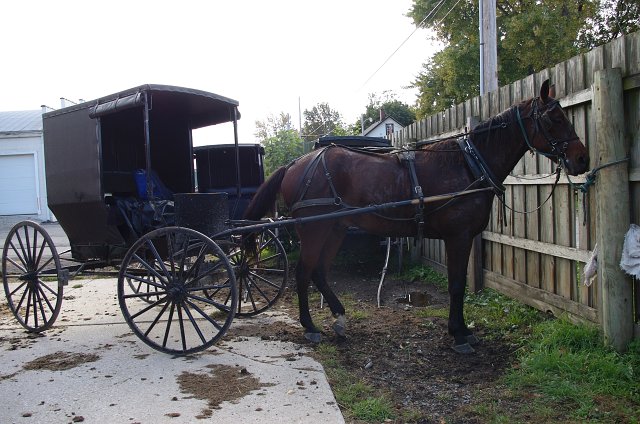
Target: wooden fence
(539,257)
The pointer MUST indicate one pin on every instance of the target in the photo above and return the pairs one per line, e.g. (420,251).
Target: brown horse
(337,178)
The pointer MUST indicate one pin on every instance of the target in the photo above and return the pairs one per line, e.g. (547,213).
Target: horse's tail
(264,200)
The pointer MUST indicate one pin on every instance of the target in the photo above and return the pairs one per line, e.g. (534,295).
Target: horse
(338,178)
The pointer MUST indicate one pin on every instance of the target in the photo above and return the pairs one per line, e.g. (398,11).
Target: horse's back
(355,176)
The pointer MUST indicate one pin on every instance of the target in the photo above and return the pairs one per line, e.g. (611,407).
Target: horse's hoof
(313,337)
(463,349)
(340,326)
(473,340)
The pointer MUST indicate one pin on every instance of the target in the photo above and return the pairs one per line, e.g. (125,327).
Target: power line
(431,13)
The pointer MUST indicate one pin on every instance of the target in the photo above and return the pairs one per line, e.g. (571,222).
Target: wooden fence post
(612,208)
(474,269)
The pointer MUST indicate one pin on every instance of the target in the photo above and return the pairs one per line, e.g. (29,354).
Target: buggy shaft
(348,212)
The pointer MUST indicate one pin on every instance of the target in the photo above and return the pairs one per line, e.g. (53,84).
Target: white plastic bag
(630,261)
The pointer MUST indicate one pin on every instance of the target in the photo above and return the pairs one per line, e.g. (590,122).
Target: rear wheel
(161,289)
(261,269)
(32,276)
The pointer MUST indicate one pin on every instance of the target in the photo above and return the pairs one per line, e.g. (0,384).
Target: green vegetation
(563,371)
(358,400)
(424,273)
(568,373)
(531,36)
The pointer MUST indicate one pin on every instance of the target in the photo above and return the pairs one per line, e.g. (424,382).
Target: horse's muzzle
(577,165)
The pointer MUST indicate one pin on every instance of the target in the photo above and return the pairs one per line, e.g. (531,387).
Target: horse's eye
(546,121)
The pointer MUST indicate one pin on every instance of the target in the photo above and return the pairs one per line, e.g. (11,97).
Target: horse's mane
(484,133)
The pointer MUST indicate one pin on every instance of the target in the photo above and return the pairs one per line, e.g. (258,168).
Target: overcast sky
(265,54)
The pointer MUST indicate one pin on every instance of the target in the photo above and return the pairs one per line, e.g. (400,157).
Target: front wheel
(178,266)
(32,276)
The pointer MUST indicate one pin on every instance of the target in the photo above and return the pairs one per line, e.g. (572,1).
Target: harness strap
(409,157)
(478,165)
(307,178)
(307,175)
(482,172)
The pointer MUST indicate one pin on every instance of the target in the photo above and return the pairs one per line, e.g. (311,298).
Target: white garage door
(18,190)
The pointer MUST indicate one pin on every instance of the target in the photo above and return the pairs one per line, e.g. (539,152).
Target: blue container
(160,191)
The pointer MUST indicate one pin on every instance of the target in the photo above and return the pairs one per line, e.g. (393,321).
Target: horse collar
(478,166)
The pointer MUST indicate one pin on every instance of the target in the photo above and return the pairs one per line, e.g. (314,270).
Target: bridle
(558,146)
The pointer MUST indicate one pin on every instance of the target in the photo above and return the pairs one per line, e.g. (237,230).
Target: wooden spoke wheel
(146,285)
(32,276)
(161,289)
(261,269)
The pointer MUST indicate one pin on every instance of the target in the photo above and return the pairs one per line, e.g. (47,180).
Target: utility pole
(488,47)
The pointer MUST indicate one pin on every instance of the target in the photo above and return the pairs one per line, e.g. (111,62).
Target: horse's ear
(544,91)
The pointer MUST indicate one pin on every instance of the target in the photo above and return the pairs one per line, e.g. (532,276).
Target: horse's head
(550,132)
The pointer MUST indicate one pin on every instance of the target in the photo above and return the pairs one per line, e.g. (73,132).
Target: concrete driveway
(90,367)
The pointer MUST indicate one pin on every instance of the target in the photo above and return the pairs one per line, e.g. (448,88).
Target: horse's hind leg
(458,250)
(313,238)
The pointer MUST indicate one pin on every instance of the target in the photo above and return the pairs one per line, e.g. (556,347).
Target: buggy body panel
(94,149)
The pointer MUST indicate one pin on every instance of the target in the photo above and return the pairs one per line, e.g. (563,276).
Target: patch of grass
(357,314)
(371,409)
(501,315)
(426,274)
(76,286)
(356,398)
(565,373)
(432,312)
(411,415)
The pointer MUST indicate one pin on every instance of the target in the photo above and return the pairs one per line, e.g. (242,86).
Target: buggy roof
(200,108)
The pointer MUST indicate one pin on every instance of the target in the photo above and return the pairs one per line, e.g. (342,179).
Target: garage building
(23,188)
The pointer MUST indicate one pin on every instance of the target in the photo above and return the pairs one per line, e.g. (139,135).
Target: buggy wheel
(261,269)
(32,276)
(177,265)
(148,292)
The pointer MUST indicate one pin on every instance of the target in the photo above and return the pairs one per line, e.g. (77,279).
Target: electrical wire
(431,13)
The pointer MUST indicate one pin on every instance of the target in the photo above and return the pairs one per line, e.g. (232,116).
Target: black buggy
(136,199)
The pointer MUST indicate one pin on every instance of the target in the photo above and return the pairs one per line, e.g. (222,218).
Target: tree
(613,19)
(532,35)
(272,126)
(320,121)
(281,149)
(391,106)
(282,144)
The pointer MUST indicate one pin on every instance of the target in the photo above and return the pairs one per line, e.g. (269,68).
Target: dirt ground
(403,355)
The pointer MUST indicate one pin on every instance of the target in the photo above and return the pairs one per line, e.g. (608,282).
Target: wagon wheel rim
(181,264)
(31,275)
(261,272)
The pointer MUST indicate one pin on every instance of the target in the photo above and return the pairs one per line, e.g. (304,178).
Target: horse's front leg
(302,288)
(319,276)
(337,309)
(458,250)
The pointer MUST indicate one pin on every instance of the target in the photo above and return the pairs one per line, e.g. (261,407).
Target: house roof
(21,121)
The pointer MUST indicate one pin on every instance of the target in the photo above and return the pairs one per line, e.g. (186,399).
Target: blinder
(542,123)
